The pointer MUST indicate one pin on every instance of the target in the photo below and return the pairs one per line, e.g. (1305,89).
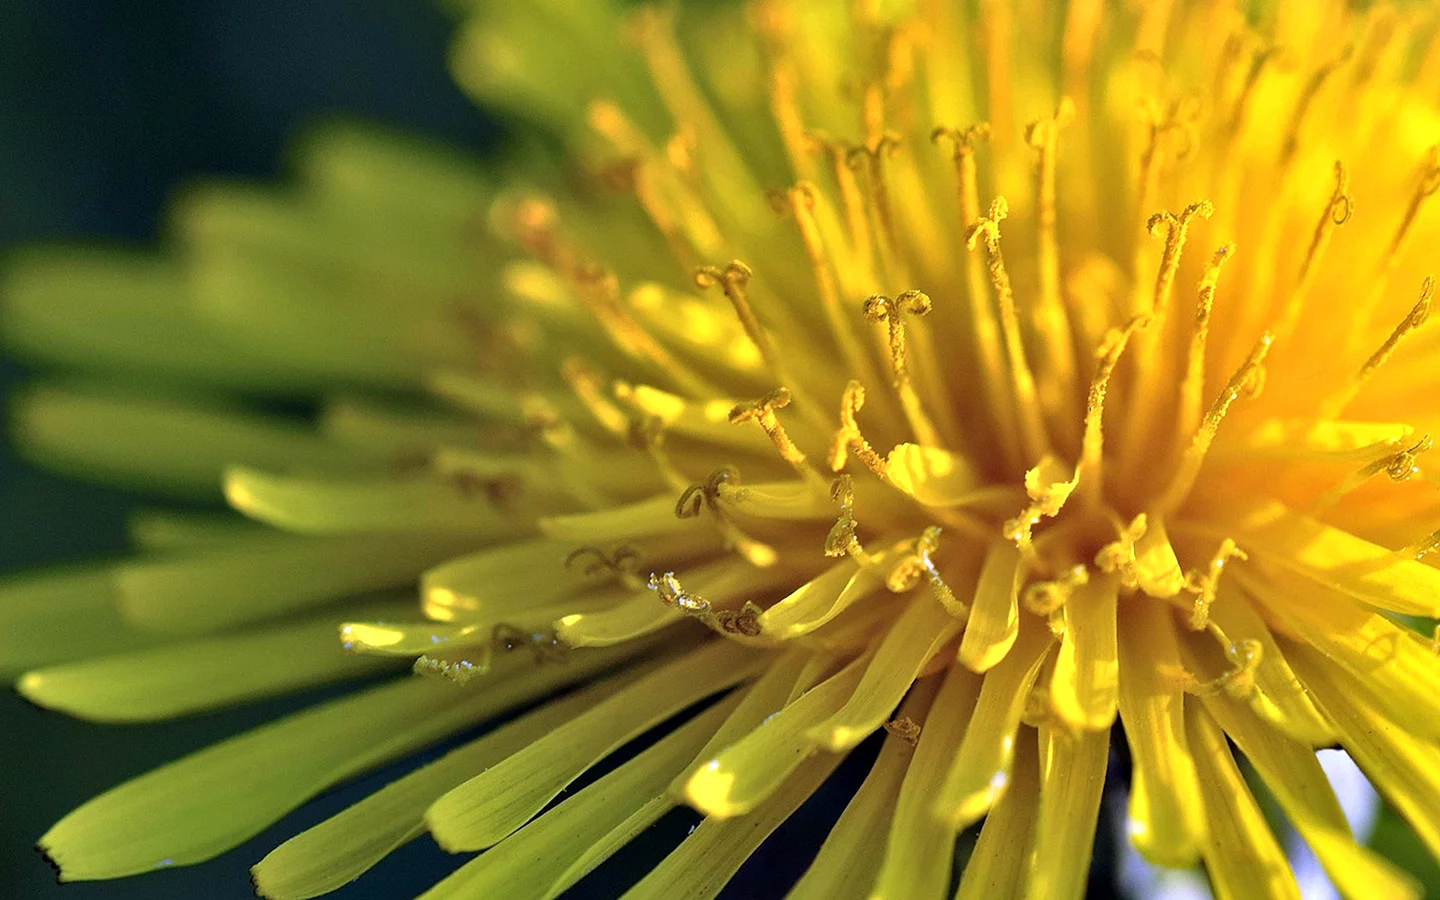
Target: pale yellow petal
(850,858)
(537,861)
(1167,813)
(194,675)
(493,804)
(980,772)
(202,805)
(699,868)
(742,775)
(1072,779)
(919,849)
(1085,686)
(329,855)
(328,506)
(1293,774)
(819,600)
(917,634)
(1000,866)
(1403,767)
(995,616)
(1241,856)
(1400,670)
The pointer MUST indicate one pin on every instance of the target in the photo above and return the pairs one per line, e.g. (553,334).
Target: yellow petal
(194,675)
(980,772)
(715,850)
(1167,814)
(537,860)
(1342,561)
(484,810)
(1404,768)
(1000,866)
(1279,697)
(919,849)
(919,632)
(1242,856)
(202,805)
(995,616)
(321,506)
(1293,774)
(742,775)
(1156,566)
(819,600)
(1085,686)
(1401,671)
(329,855)
(1072,778)
(850,858)
(933,476)
(271,575)
(52,617)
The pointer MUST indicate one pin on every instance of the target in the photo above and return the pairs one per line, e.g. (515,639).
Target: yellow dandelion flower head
(983,375)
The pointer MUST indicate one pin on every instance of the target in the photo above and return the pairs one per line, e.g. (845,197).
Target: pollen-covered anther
(1203,584)
(1238,681)
(733,278)
(1044,598)
(1118,556)
(698,497)
(849,439)
(842,539)
(910,570)
(762,412)
(904,728)
(671,593)
(879,309)
(744,621)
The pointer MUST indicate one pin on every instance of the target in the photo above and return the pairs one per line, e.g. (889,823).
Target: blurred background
(105,106)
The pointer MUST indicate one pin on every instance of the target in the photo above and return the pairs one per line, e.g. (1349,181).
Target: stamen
(762,412)
(1414,319)
(588,386)
(1239,681)
(1045,598)
(707,496)
(842,539)
(871,157)
(800,202)
(1194,384)
(880,309)
(1118,556)
(1178,120)
(1088,475)
(1249,379)
(1204,584)
(673,594)
(1400,465)
(624,563)
(1032,426)
(1176,230)
(1422,547)
(1428,184)
(1050,319)
(904,728)
(986,329)
(646,433)
(1304,104)
(851,198)
(1337,212)
(849,439)
(908,572)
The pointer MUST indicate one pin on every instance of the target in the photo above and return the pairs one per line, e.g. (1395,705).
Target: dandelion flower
(1028,382)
